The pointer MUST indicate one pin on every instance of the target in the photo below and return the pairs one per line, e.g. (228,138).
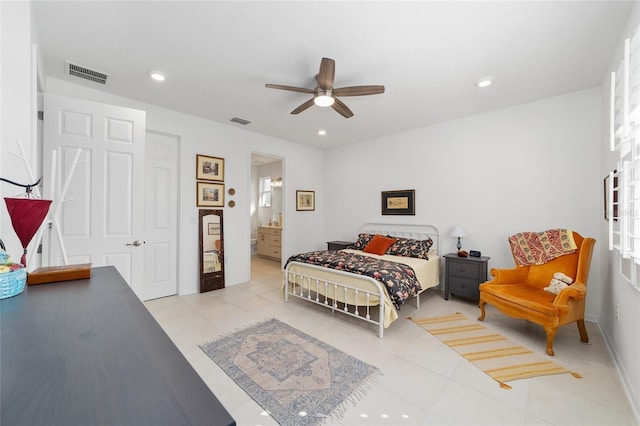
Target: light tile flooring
(423,382)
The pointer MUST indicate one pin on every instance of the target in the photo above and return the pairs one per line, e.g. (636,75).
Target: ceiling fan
(325,94)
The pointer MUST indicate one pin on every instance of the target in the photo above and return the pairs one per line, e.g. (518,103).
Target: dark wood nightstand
(463,275)
(338,245)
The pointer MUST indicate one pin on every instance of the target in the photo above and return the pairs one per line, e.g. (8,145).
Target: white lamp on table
(458,232)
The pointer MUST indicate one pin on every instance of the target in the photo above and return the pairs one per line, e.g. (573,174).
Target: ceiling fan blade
(303,107)
(358,90)
(342,109)
(289,88)
(326,74)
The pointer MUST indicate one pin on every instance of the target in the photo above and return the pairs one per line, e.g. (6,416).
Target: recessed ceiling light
(484,82)
(322,132)
(157,75)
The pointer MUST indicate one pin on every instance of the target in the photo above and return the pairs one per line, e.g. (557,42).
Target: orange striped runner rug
(502,359)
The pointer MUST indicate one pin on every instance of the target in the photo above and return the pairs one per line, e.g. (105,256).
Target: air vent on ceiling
(86,73)
(240,121)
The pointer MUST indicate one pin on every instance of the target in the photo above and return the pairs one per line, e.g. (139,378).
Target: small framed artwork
(213,229)
(209,168)
(305,200)
(209,194)
(399,202)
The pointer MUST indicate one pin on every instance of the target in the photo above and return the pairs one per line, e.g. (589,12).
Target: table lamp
(458,231)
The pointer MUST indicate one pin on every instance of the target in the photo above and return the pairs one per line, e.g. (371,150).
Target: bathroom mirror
(211,250)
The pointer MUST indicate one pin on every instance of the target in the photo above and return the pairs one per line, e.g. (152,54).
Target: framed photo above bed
(209,168)
(209,194)
(401,202)
(305,200)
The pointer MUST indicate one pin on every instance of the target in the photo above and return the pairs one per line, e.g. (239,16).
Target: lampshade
(27,214)
(458,231)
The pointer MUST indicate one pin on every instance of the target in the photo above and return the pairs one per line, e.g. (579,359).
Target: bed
(347,281)
(211,261)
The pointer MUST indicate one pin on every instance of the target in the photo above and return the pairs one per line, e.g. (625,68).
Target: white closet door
(161,215)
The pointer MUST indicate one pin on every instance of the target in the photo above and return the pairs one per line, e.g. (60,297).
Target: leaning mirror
(211,250)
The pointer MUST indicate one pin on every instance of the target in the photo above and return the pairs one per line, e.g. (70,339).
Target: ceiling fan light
(324,98)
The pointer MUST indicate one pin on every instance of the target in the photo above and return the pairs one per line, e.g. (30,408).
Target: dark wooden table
(87,352)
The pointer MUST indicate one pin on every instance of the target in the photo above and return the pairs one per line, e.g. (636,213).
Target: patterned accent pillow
(362,242)
(411,248)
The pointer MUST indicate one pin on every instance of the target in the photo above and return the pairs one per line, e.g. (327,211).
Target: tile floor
(423,382)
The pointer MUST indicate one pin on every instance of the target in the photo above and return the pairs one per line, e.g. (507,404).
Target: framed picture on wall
(209,168)
(209,194)
(399,202)
(305,200)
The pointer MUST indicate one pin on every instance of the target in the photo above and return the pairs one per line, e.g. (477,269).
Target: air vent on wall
(240,121)
(86,73)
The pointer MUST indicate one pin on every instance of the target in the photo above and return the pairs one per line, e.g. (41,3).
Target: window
(265,192)
(623,205)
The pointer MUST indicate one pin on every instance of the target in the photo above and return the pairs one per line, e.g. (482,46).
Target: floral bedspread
(399,279)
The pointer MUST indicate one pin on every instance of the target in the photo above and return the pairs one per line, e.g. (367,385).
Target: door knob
(135,243)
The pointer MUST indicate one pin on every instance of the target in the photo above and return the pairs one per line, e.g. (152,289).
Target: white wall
(623,336)
(199,136)
(530,167)
(17,106)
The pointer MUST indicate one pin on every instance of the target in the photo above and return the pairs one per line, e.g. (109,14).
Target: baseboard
(590,318)
(634,400)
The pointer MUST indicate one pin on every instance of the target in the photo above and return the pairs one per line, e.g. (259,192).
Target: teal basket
(12,283)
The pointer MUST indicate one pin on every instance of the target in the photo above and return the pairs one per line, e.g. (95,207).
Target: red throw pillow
(379,244)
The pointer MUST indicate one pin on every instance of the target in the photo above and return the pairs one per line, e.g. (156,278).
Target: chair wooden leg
(551,334)
(583,331)
(482,313)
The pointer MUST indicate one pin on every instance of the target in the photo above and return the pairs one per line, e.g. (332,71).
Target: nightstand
(463,275)
(338,245)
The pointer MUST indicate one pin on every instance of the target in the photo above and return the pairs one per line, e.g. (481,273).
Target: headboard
(416,232)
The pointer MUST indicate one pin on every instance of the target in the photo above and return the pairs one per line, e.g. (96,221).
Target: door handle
(136,243)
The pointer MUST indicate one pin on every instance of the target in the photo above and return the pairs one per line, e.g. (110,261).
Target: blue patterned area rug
(296,378)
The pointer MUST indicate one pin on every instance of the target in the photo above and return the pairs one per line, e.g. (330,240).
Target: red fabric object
(26,215)
(379,244)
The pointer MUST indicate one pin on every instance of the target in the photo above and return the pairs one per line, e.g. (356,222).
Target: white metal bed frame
(295,282)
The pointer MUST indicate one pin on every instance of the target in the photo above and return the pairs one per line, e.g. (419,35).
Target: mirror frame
(210,280)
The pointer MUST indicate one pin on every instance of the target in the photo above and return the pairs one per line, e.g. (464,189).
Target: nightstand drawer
(464,287)
(464,269)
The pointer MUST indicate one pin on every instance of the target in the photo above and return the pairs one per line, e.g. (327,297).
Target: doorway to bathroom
(266,210)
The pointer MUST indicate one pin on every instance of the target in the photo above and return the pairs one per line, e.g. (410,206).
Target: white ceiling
(219,55)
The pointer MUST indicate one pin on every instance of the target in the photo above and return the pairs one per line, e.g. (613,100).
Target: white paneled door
(161,221)
(94,156)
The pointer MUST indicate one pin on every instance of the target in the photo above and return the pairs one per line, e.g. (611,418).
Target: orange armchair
(519,293)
